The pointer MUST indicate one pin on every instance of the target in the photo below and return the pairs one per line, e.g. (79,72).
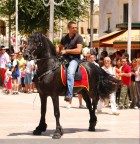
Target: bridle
(31,54)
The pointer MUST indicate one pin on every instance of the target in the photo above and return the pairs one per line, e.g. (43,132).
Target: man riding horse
(70,47)
(48,79)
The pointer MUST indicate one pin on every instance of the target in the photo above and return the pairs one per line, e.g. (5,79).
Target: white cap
(9,72)
(86,51)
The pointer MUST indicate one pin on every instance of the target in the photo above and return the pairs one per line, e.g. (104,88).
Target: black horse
(48,82)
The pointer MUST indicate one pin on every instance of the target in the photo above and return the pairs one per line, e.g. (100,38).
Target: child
(22,78)
(7,66)
(8,82)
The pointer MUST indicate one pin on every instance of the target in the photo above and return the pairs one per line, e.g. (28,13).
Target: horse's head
(39,46)
(35,46)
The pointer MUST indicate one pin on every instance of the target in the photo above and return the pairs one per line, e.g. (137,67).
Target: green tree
(7,9)
(33,15)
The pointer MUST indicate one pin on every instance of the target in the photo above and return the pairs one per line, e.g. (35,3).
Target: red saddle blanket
(82,83)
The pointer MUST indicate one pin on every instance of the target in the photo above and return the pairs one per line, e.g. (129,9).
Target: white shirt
(14,63)
(111,70)
(137,77)
(96,63)
(4,59)
(29,65)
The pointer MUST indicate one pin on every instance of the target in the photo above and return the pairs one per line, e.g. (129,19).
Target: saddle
(78,74)
(65,62)
(81,77)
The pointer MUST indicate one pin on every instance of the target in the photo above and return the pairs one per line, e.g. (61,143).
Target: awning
(123,45)
(119,40)
(107,37)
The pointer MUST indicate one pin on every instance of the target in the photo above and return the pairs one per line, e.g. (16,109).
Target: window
(95,31)
(125,12)
(82,30)
(2,27)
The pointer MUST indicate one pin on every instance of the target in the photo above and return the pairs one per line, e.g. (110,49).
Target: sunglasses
(107,61)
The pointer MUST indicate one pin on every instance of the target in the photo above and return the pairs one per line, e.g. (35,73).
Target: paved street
(19,115)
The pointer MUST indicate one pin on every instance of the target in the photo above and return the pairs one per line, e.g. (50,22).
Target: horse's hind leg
(59,131)
(42,124)
(93,118)
(91,108)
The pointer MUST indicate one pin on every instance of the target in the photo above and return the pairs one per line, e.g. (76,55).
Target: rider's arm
(59,48)
(76,50)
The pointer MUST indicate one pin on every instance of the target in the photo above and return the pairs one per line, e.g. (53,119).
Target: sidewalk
(20,114)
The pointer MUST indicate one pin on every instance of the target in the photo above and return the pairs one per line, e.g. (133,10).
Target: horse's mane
(49,44)
(46,43)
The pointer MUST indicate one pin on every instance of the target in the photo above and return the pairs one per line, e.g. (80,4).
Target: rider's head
(72,27)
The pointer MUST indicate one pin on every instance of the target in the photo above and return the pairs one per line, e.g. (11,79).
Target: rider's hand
(57,49)
(62,52)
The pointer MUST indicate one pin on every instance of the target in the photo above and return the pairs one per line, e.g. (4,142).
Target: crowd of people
(16,76)
(16,72)
(128,92)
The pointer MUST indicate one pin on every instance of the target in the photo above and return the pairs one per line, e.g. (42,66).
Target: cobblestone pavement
(20,114)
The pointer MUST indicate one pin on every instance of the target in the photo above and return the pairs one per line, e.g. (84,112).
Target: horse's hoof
(37,132)
(40,129)
(56,136)
(91,129)
(58,133)
(61,132)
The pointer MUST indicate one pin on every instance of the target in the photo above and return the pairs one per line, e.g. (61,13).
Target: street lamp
(129,28)
(52,3)
(91,22)
(16,48)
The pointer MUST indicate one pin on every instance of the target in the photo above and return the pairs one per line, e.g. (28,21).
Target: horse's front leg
(59,131)
(42,124)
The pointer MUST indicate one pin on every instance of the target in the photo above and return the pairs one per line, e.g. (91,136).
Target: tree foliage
(33,15)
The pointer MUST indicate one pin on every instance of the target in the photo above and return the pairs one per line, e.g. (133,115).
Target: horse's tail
(107,84)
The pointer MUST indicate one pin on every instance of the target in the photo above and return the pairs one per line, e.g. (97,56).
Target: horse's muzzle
(26,55)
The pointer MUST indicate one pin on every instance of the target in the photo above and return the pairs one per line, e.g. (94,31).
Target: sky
(96,1)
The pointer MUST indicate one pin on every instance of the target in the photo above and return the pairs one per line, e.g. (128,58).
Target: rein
(36,60)
(47,72)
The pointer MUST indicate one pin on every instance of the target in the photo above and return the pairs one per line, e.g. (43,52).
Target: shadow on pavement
(50,132)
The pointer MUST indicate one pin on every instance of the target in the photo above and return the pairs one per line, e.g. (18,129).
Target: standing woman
(137,81)
(133,93)
(15,73)
(118,68)
(28,76)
